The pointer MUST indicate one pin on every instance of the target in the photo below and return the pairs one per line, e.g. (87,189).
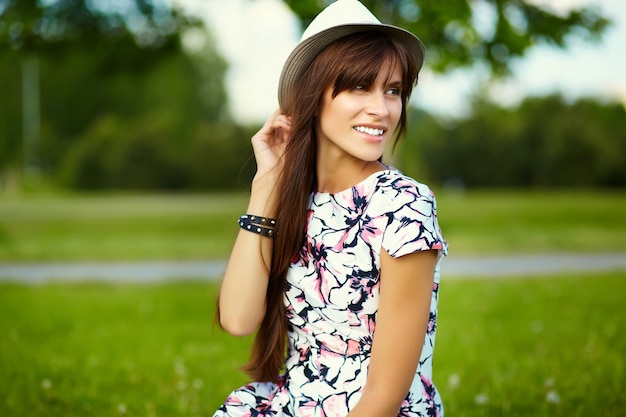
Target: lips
(369,130)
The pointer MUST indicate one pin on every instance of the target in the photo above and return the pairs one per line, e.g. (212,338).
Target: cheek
(336,112)
(395,112)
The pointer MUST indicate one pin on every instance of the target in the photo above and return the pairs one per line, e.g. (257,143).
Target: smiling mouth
(369,130)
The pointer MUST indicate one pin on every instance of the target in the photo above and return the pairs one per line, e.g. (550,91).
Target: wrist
(265,179)
(263,195)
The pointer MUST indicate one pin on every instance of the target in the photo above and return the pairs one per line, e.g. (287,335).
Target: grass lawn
(515,347)
(118,227)
(159,227)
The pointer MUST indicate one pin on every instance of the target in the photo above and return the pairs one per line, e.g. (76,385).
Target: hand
(269,143)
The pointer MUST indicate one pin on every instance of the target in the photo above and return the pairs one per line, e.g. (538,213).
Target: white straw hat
(341,18)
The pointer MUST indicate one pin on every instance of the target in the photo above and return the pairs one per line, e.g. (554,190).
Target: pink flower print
(370,229)
(307,408)
(312,289)
(305,354)
(432,323)
(371,323)
(353,347)
(437,246)
(234,400)
(429,388)
(327,356)
(335,405)
(405,409)
(327,283)
(341,243)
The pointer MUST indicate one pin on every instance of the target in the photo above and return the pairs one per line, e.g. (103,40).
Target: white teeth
(369,130)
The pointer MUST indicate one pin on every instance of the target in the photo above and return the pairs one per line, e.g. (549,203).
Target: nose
(377,104)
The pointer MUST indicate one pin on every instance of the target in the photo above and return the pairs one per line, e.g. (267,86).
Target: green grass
(148,227)
(119,227)
(95,350)
(490,222)
(517,344)
(515,347)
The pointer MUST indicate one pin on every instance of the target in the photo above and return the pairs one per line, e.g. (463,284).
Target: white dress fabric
(332,295)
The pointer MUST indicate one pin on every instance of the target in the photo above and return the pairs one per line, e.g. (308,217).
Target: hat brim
(305,52)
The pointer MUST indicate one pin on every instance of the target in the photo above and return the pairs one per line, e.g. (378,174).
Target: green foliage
(79,95)
(463,33)
(119,73)
(51,26)
(220,157)
(139,155)
(149,155)
(545,142)
(529,347)
(124,106)
(10,110)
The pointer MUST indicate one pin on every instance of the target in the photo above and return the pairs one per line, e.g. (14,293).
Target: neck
(335,176)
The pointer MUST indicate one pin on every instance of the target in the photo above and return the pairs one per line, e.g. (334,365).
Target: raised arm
(242,295)
(406,287)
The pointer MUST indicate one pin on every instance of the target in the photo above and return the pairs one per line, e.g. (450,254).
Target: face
(358,123)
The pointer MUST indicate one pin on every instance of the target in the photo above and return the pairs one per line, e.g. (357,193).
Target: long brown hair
(348,62)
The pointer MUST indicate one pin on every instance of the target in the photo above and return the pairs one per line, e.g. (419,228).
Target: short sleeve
(412,220)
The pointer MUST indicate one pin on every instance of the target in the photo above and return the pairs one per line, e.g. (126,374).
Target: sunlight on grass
(515,347)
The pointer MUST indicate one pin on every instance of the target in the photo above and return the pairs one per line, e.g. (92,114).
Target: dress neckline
(363,182)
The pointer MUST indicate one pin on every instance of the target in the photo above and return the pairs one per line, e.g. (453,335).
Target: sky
(256,37)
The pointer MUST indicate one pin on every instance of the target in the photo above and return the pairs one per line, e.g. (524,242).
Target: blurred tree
(462,33)
(49,26)
(99,59)
(114,154)
(10,111)
(544,142)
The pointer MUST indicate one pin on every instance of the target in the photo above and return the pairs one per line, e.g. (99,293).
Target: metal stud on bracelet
(257,224)
(260,220)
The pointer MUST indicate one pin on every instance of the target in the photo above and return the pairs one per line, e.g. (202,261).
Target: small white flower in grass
(121,408)
(46,384)
(454,380)
(179,367)
(481,399)
(197,384)
(553,397)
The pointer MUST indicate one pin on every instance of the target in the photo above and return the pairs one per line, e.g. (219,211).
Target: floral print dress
(332,295)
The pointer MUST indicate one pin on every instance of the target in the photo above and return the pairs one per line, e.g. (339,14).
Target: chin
(371,158)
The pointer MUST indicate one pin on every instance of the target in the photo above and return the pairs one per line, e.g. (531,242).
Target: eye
(360,87)
(394,91)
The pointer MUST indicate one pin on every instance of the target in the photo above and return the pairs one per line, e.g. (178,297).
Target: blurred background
(164,95)
(125,132)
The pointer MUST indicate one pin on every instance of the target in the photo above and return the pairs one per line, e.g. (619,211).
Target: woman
(336,263)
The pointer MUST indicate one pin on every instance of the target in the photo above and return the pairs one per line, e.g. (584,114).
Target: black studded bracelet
(263,226)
